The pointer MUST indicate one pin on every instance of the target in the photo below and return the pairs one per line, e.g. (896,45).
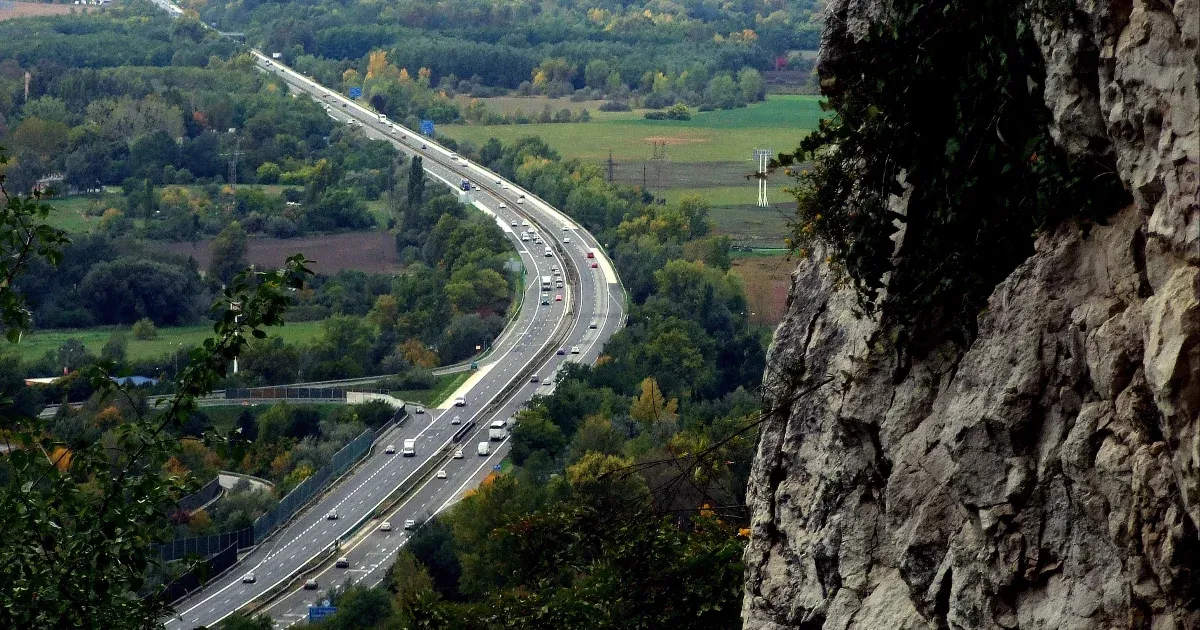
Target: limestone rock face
(1047,476)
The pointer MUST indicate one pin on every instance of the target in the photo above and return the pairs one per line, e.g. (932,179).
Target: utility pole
(659,156)
(611,166)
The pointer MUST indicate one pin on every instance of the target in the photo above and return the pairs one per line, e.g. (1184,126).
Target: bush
(615,106)
(144,329)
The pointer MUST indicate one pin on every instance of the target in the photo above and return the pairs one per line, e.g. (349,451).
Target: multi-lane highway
(591,310)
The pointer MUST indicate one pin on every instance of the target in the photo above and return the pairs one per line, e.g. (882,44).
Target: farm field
(71,212)
(779,123)
(767,279)
(533,104)
(709,155)
(14,10)
(36,344)
(363,251)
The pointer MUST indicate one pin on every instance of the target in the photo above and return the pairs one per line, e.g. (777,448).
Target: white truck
(497,430)
(410,448)
(546,281)
(485,449)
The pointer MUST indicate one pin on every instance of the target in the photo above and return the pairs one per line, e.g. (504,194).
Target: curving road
(591,310)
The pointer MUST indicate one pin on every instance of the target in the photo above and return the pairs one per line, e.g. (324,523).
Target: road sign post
(427,127)
(355,92)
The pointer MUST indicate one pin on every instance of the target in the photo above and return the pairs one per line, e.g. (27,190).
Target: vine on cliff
(943,102)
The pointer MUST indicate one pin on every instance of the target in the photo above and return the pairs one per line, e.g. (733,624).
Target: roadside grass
(434,396)
(778,123)
(36,344)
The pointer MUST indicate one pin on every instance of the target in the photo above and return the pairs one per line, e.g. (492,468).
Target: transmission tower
(658,156)
(233,159)
(761,157)
(611,166)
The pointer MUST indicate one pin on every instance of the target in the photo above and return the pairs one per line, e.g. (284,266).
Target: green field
(34,345)
(443,387)
(779,123)
(727,195)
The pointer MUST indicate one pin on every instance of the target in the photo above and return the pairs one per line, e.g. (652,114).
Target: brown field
(373,252)
(14,10)
(767,280)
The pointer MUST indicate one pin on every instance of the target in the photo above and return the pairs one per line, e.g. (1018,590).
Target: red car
(591,254)
(558,298)
(595,265)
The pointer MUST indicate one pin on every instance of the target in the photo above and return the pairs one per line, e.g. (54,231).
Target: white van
(485,449)
(549,253)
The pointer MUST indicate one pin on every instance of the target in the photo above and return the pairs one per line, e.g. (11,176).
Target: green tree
(228,252)
(595,73)
(79,523)
(535,432)
(752,85)
(144,329)
(116,348)
(416,183)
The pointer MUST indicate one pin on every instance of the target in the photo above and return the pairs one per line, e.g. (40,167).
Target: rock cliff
(1047,475)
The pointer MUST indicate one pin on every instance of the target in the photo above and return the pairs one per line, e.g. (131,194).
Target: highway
(591,310)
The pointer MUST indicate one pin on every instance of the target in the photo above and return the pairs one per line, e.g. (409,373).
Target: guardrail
(206,493)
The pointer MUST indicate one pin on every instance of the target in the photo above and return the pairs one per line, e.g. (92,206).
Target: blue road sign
(316,613)
(355,92)
(427,127)
(496,467)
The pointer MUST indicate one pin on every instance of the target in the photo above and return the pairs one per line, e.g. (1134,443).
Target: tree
(241,621)
(416,182)
(116,348)
(79,524)
(144,329)
(246,426)
(751,83)
(228,252)
(595,73)
(127,289)
(651,407)
(535,432)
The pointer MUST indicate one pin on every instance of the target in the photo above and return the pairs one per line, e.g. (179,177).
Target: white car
(514,223)
(310,584)
(441,474)
(502,207)
(385,526)
(566,239)
(506,186)
(524,224)
(456,420)
(420,409)
(458,454)
(460,402)
(390,450)
(331,516)
(524,238)
(249,578)
(521,200)
(498,182)
(410,524)
(342,563)
(574,349)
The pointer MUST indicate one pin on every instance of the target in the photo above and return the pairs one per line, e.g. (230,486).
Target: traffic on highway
(352,532)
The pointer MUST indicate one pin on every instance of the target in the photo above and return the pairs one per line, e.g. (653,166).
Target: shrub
(144,329)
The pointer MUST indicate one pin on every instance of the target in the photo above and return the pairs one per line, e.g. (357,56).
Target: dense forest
(702,53)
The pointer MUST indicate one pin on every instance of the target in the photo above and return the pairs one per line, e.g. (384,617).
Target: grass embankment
(444,385)
(34,345)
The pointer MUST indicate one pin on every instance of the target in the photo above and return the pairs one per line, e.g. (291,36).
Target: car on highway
(521,200)
(390,450)
(410,524)
(535,378)
(485,449)
(498,182)
(574,349)
(419,409)
(514,223)
(558,298)
(505,185)
(249,578)
(456,420)
(423,147)
(592,324)
(504,207)
(385,526)
(331,516)
(460,402)
(524,238)
(458,454)
(595,265)
(441,474)
(545,299)
(566,239)
(310,584)
(342,563)
(453,156)
(561,351)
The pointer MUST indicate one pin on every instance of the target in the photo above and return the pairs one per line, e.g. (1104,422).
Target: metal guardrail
(207,493)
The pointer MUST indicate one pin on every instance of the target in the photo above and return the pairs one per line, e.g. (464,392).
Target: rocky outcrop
(1048,475)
